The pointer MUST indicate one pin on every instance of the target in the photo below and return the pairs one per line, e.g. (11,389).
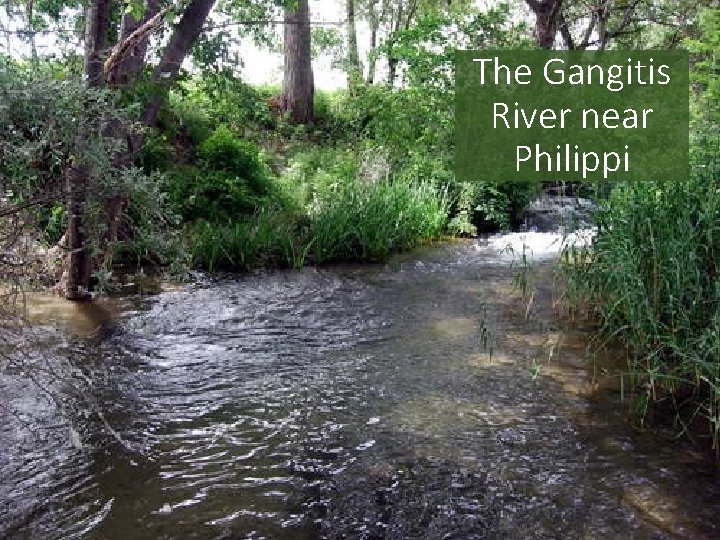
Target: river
(423,398)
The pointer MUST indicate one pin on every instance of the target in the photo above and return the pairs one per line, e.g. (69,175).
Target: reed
(360,222)
(368,222)
(652,280)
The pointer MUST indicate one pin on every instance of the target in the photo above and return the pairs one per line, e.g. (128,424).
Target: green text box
(571,115)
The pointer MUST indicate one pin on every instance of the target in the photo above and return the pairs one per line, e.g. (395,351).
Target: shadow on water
(352,402)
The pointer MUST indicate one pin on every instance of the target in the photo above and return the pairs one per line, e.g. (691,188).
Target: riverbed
(422,398)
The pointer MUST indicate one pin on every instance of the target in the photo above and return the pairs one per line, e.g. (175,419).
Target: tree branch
(184,35)
(565,32)
(121,49)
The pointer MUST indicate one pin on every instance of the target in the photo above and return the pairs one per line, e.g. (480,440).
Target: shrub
(151,232)
(229,180)
(322,105)
(479,206)
(231,101)
(157,153)
(53,221)
(211,195)
(518,195)
(182,116)
(225,151)
(475,206)
(314,174)
(329,105)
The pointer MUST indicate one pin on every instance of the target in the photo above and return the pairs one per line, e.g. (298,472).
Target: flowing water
(418,399)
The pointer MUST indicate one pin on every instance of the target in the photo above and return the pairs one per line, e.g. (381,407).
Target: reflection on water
(353,402)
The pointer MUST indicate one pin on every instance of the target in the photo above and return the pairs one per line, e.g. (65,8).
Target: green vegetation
(319,209)
(651,277)
(365,180)
(134,162)
(652,281)
(207,171)
(359,222)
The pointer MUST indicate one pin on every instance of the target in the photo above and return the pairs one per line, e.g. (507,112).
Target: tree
(706,65)
(354,69)
(547,13)
(388,20)
(76,278)
(584,25)
(401,17)
(122,68)
(298,86)
(374,17)
(184,35)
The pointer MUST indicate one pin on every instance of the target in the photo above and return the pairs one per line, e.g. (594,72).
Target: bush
(225,151)
(475,206)
(329,105)
(157,153)
(212,195)
(181,116)
(479,206)
(231,101)
(230,180)
(518,195)
(389,117)
(322,105)
(314,174)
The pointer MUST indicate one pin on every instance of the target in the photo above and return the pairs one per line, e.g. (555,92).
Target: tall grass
(359,222)
(652,279)
(265,239)
(367,222)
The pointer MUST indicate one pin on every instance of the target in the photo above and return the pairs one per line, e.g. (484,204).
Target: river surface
(423,398)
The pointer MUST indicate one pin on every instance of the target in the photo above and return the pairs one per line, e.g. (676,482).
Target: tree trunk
(75,283)
(392,67)
(354,70)
(298,86)
(181,41)
(392,60)
(130,66)
(565,33)
(546,24)
(129,70)
(546,21)
(372,59)
(123,74)
(374,24)
(602,16)
(75,280)
(77,272)
(97,24)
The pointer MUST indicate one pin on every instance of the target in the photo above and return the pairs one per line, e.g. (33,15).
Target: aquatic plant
(652,280)
(264,239)
(360,222)
(367,222)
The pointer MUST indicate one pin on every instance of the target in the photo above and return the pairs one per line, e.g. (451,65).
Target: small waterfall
(557,212)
